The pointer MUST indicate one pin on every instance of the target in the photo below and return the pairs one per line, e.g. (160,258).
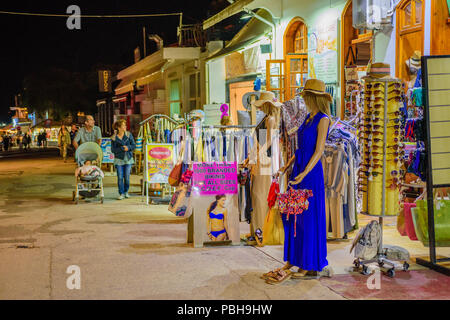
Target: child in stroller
(89,176)
(88,169)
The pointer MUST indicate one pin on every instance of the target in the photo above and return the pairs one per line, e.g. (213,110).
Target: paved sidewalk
(127,250)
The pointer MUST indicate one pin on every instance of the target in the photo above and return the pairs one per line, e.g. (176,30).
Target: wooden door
(296,73)
(237,91)
(410,37)
(275,78)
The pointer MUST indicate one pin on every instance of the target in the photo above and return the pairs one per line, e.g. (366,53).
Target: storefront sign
(160,162)
(215,178)
(108,156)
(322,51)
(104,81)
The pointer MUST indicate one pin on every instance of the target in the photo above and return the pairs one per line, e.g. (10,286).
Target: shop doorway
(174,97)
(356,52)
(237,91)
(410,35)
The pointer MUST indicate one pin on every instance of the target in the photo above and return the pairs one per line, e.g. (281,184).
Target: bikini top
(216,216)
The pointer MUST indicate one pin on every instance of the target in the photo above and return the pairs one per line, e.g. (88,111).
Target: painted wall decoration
(160,161)
(322,51)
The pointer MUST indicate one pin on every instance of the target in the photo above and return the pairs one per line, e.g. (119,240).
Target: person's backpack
(367,241)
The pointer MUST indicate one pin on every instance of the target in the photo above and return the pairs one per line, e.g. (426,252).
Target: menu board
(108,156)
(322,50)
(160,162)
(437,89)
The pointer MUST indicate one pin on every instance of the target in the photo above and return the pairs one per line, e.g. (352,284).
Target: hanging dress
(308,249)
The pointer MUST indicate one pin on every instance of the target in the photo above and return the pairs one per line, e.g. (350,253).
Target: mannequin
(307,248)
(263,155)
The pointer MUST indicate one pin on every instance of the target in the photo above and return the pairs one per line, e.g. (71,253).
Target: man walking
(89,133)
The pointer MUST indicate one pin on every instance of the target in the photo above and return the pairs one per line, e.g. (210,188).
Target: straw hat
(379,70)
(316,87)
(267,96)
(414,61)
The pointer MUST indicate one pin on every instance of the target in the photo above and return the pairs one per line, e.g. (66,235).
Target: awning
(142,78)
(48,123)
(249,34)
(232,9)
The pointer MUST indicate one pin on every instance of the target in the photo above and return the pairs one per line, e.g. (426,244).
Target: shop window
(411,14)
(409,34)
(295,58)
(194,91)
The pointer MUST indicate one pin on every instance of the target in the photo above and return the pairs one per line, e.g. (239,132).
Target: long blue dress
(308,250)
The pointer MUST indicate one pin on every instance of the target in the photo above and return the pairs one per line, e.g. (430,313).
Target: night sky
(30,44)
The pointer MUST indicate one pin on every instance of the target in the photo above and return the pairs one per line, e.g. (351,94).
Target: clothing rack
(381,256)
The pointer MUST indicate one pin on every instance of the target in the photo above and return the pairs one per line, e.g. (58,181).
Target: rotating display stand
(369,210)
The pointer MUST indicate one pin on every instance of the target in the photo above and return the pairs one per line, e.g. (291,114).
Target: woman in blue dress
(307,250)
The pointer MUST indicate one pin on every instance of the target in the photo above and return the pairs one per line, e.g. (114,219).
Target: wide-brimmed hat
(316,87)
(414,61)
(379,70)
(267,96)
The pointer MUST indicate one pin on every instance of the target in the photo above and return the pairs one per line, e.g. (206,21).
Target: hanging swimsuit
(219,216)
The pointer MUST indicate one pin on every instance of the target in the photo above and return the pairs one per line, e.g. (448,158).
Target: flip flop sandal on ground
(281,277)
(309,275)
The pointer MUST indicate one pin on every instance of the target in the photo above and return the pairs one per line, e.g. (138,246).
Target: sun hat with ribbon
(414,61)
(316,87)
(379,70)
(267,96)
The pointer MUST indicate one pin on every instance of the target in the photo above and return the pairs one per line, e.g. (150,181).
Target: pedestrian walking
(89,133)
(122,146)
(73,134)
(63,141)
(26,141)
(44,139)
(6,142)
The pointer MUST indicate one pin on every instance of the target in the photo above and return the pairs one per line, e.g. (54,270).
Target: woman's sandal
(270,274)
(306,276)
(280,277)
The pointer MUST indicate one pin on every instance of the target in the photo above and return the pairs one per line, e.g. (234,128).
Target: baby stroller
(88,186)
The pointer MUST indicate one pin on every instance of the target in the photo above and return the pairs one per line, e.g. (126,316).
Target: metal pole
(145,46)
(383,202)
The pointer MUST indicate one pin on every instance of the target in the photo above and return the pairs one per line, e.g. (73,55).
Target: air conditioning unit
(371,14)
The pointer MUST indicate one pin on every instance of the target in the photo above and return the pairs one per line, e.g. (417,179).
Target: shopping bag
(175,175)
(441,221)
(401,221)
(409,224)
(273,229)
(139,141)
(179,204)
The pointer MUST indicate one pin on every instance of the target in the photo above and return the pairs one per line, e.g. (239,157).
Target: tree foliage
(61,92)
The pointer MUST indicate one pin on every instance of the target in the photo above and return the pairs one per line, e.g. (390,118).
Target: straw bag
(175,174)
(139,141)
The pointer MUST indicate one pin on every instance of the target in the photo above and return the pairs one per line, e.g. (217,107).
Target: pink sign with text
(214,178)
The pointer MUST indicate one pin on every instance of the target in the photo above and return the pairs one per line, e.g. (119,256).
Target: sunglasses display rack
(379,171)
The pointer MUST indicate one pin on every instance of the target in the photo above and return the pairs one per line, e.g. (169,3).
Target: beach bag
(273,229)
(409,223)
(139,141)
(294,202)
(367,241)
(401,222)
(441,221)
(175,174)
(179,204)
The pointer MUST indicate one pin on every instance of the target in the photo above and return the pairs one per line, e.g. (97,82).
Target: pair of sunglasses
(377,85)
(377,113)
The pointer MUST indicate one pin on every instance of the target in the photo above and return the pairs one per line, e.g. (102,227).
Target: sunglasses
(377,113)
(395,147)
(374,140)
(377,85)
(394,91)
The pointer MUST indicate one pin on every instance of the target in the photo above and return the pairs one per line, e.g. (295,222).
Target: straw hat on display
(378,70)
(267,96)
(316,87)
(414,61)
